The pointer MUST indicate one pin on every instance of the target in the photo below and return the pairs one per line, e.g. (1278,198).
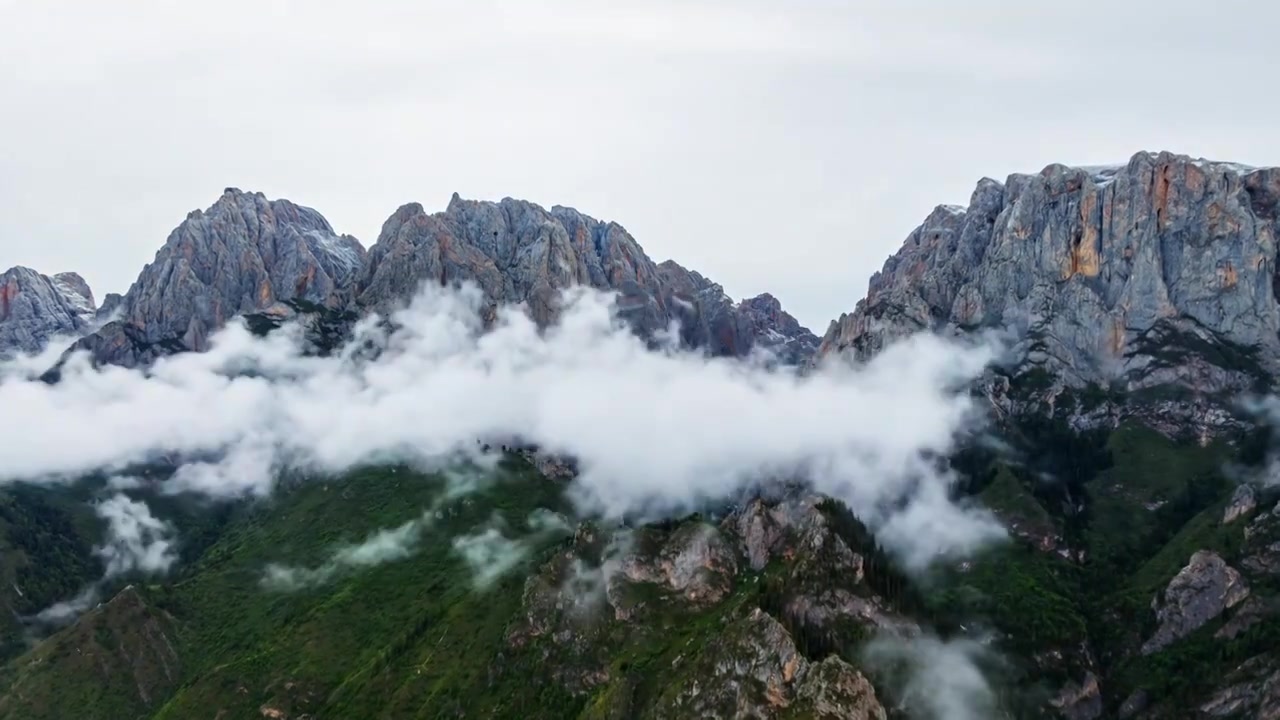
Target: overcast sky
(785,146)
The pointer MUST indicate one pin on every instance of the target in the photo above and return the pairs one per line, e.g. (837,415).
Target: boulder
(1199,593)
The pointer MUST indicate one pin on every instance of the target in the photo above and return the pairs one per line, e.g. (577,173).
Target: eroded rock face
(1251,612)
(519,252)
(1261,552)
(776,331)
(753,670)
(761,530)
(110,304)
(1253,692)
(695,562)
(1243,501)
(245,254)
(36,308)
(1102,273)
(823,583)
(834,690)
(1200,592)
(1080,701)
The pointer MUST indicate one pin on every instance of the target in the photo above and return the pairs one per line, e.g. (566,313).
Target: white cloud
(654,432)
(61,613)
(398,543)
(934,679)
(136,539)
(489,554)
(380,547)
(29,366)
(586,586)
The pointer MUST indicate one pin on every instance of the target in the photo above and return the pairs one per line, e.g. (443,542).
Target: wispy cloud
(135,541)
(489,554)
(382,546)
(379,547)
(934,679)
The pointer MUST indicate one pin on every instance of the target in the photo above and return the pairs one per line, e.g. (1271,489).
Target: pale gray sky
(785,146)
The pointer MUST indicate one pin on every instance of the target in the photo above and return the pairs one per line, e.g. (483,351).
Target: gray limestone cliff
(35,309)
(244,254)
(519,252)
(1158,272)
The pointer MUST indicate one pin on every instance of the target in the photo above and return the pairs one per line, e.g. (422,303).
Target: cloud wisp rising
(934,678)
(136,541)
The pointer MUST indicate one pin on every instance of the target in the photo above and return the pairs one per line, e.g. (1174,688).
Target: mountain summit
(250,255)
(244,254)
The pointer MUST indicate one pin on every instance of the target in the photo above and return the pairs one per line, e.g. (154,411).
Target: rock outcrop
(1243,501)
(519,252)
(1079,701)
(1200,592)
(753,670)
(1253,691)
(776,331)
(1158,272)
(1261,551)
(110,304)
(36,308)
(245,254)
(695,561)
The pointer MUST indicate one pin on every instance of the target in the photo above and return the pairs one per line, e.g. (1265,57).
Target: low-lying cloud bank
(654,431)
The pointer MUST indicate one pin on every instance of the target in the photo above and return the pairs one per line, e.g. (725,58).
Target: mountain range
(1130,458)
(249,255)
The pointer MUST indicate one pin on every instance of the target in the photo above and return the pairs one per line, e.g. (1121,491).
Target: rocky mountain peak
(243,254)
(777,329)
(75,289)
(1104,273)
(247,254)
(519,252)
(36,308)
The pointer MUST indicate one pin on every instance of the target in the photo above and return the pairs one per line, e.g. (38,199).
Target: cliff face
(1104,274)
(519,252)
(244,254)
(36,308)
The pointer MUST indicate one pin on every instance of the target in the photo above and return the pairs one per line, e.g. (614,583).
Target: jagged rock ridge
(519,252)
(250,255)
(1106,274)
(36,308)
